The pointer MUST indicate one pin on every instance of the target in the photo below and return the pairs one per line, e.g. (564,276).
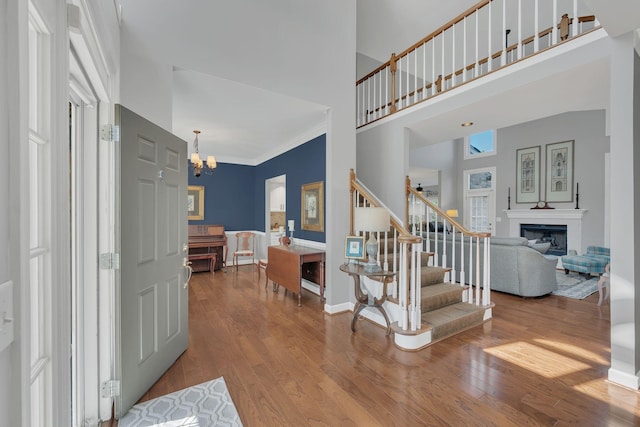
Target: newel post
(407,185)
(352,179)
(393,64)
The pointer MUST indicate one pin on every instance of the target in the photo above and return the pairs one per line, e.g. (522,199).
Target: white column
(625,260)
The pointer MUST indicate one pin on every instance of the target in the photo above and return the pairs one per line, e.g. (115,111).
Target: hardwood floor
(539,361)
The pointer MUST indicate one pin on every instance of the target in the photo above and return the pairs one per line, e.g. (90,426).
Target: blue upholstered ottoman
(584,264)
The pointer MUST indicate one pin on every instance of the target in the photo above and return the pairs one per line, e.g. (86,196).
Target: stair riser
(430,303)
(465,322)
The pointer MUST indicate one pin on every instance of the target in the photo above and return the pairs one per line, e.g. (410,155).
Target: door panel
(152,299)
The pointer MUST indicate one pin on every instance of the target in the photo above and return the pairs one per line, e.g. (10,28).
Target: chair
(602,282)
(245,246)
(263,264)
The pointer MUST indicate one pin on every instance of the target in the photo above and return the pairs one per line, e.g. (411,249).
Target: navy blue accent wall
(302,165)
(228,196)
(235,194)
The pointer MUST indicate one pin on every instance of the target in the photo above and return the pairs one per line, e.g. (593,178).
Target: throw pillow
(541,247)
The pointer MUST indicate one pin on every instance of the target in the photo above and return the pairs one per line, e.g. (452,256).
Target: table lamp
(452,213)
(371,220)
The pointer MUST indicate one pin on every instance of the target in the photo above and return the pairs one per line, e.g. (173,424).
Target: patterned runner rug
(574,285)
(206,404)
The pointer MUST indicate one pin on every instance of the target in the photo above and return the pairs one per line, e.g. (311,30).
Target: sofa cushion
(509,241)
(541,247)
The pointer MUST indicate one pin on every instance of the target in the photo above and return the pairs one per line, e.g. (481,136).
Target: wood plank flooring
(539,361)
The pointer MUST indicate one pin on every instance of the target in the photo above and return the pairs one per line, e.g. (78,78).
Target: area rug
(206,404)
(575,286)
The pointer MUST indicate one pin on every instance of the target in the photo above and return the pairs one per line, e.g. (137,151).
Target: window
(480,144)
(479,200)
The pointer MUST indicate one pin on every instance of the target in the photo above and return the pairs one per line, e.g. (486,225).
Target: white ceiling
(247,125)
(240,123)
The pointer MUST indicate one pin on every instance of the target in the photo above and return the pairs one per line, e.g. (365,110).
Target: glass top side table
(364,300)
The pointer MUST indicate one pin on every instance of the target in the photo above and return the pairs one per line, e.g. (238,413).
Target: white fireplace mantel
(572,218)
(545,213)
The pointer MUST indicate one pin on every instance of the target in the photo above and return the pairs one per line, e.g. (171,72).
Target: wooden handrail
(391,104)
(377,103)
(457,225)
(405,235)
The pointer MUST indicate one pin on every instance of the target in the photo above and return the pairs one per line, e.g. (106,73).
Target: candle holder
(290,237)
(509,199)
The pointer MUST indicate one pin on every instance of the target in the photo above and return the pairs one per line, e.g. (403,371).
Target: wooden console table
(288,265)
(363,300)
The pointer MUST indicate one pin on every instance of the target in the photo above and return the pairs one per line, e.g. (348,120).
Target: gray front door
(151,293)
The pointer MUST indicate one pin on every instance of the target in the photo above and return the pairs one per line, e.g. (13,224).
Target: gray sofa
(516,267)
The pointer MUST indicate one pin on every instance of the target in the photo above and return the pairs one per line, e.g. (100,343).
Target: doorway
(479,199)
(275,209)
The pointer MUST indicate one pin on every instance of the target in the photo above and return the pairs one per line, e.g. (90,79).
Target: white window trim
(467,192)
(468,155)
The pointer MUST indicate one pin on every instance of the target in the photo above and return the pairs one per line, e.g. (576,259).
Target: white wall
(286,47)
(442,157)
(625,172)
(9,381)
(383,163)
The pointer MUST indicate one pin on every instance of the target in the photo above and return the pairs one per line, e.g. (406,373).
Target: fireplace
(555,234)
(570,218)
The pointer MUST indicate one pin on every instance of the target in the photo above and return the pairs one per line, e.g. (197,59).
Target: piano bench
(212,257)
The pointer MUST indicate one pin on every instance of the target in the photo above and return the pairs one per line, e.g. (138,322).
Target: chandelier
(197,162)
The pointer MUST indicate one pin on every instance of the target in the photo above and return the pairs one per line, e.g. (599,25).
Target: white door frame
(269,185)
(489,192)
(93,199)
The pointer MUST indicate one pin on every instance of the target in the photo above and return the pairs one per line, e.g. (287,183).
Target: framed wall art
(528,175)
(354,247)
(195,202)
(559,173)
(313,206)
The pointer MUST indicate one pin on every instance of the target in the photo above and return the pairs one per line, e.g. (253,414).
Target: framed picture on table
(354,247)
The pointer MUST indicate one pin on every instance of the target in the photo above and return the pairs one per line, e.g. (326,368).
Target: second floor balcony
(489,36)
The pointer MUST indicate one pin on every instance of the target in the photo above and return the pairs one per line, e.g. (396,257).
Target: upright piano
(207,239)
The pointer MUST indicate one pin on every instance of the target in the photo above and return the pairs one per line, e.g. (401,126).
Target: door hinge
(110,388)
(110,133)
(110,261)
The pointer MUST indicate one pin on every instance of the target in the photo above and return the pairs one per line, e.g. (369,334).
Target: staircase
(444,311)
(425,303)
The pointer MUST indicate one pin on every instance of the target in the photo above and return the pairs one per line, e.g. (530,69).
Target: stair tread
(440,288)
(451,312)
(452,319)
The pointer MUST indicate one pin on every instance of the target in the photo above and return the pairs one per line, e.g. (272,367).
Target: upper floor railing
(488,36)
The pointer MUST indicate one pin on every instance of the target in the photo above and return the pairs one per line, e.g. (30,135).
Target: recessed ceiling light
(466,124)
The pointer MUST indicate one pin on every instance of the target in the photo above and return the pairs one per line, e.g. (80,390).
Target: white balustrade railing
(431,230)
(400,252)
(465,253)
(490,35)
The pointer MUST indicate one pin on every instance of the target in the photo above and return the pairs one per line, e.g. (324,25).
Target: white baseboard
(624,379)
(339,308)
